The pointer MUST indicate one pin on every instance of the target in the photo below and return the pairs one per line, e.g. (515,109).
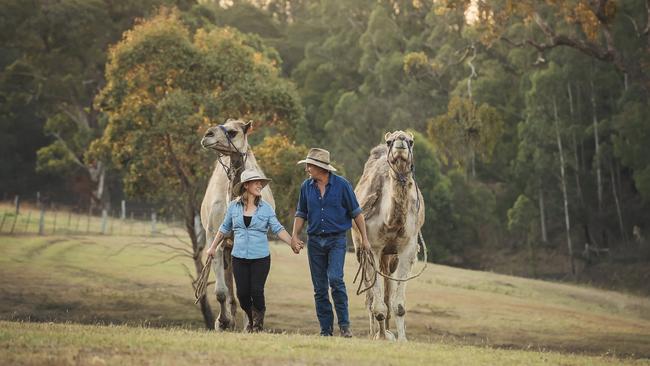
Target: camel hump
(378,151)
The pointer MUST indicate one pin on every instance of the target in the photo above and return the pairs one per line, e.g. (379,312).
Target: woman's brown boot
(258,320)
(248,325)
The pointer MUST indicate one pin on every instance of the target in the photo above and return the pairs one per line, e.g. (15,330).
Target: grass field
(129,285)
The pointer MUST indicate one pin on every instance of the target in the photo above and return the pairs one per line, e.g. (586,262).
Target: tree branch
(646,30)
(169,259)
(72,154)
(181,250)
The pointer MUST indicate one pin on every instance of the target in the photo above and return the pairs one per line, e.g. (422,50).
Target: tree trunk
(618,205)
(190,211)
(576,169)
(206,310)
(599,179)
(542,214)
(564,191)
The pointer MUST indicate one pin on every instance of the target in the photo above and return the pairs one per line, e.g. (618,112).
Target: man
(327,202)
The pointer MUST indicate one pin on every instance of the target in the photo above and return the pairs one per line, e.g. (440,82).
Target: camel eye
(232,133)
(389,143)
(411,143)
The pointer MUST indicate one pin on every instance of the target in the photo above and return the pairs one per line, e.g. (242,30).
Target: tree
(164,87)
(467,131)
(53,60)
(278,155)
(592,27)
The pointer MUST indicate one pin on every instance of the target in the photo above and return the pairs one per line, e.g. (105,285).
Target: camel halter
(230,171)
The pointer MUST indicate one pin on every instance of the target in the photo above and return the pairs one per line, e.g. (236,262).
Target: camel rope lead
(367,259)
(202,281)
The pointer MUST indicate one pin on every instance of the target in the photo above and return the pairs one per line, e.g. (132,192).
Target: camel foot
(222,325)
(387,335)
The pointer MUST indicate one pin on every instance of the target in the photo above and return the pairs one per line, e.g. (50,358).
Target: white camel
(230,141)
(394,211)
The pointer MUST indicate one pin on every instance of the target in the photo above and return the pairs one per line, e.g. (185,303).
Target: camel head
(228,138)
(400,150)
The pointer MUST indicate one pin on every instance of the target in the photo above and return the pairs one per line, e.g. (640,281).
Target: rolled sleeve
(350,200)
(226,225)
(301,210)
(275,224)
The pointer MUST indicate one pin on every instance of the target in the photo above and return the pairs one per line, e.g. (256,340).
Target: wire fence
(26,218)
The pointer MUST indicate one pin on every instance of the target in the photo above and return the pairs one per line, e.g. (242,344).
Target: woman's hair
(243,198)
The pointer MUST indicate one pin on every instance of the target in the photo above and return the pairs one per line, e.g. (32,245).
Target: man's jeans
(326,259)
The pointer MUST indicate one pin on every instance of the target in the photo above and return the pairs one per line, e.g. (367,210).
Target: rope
(367,259)
(202,281)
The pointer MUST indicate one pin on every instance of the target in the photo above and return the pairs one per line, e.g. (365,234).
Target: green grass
(37,344)
(451,313)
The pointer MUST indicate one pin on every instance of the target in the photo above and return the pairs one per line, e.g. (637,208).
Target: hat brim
(240,186)
(318,164)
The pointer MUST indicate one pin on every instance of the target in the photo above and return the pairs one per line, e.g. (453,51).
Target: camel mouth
(216,147)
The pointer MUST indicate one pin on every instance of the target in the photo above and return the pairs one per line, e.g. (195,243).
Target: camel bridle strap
(401,177)
(230,171)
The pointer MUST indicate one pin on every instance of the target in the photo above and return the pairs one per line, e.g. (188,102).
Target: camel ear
(386,136)
(410,135)
(248,126)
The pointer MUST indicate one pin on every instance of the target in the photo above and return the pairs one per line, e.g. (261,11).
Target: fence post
(38,199)
(2,224)
(131,224)
(17,204)
(88,223)
(123,213)
(29,216)
(41,222)
(104,214)
(112,218)
(69,219)
(54,223)
(76,229)
(153,223)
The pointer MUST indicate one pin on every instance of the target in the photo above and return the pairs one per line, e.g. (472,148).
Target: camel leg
(398,293)
(371,318)
(224,320)
(387,291)
(229,277)
(378,306)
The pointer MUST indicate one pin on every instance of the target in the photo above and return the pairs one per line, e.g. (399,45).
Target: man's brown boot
(345,332)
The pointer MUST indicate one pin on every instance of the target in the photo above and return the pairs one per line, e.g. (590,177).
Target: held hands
(297,244)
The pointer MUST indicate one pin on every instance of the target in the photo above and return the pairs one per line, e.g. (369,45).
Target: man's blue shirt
(332,213)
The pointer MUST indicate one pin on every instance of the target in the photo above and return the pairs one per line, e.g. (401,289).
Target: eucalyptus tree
(165,86)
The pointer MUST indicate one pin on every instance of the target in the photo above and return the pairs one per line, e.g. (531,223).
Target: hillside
(132,281)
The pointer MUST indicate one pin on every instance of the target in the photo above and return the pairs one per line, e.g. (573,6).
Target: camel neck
(237,162)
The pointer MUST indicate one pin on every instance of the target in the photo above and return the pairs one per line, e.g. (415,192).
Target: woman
(250,218)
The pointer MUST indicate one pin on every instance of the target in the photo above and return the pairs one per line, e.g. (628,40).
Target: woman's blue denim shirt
(250,242)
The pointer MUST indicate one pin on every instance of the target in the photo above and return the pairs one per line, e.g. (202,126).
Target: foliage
(165,87)
(278,155)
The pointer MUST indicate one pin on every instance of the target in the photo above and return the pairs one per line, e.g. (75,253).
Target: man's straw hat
(320,158)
